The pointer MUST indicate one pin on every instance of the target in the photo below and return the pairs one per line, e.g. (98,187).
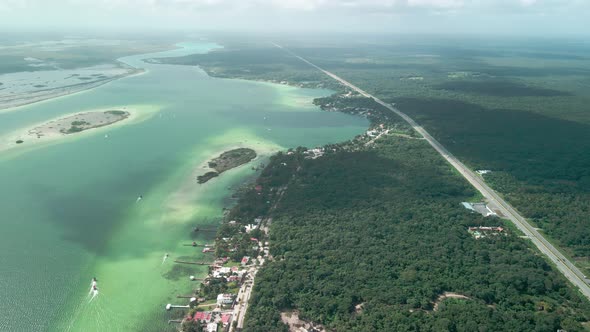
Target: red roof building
(202,316)
(225,319)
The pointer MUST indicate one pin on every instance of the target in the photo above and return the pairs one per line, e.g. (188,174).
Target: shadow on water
(89,218)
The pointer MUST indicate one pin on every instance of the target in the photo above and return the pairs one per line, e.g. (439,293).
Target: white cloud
(436,3)
(528,2)
(436,15)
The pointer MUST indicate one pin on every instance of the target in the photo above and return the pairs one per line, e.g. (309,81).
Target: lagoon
(69,210)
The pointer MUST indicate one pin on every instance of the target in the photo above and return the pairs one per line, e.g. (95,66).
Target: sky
(503,17)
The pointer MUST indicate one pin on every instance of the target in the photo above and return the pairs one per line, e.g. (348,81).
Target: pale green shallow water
(68,210)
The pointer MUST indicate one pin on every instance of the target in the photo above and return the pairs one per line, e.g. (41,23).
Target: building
(226,319)
(221,271)
(203,316)
(225,300)
(212,327)
(480,208)
(245,260)
(479,232)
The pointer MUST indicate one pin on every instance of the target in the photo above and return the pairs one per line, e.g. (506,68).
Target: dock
(197,229)
(193,263)
(172,306)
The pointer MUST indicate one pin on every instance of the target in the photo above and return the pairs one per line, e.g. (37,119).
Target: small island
(75,125)
(226,161)
(79,122)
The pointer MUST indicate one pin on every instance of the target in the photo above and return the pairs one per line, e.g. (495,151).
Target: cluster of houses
(228,273)
(314,153)
(375,133)
(226,303)
(479,232)
(211,320)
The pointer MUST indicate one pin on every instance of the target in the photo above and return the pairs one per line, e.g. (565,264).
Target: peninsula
(226,161)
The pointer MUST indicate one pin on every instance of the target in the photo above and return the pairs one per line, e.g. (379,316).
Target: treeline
(384,229)
(540,164)
(256,63)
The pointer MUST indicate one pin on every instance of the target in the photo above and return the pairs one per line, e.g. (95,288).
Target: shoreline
(219,165)
(183,196)
(8,141)
(65,91)
(241,273)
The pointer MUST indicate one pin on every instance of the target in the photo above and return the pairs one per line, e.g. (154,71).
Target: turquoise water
(69,209)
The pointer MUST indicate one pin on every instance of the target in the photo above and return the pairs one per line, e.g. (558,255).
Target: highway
(571,272)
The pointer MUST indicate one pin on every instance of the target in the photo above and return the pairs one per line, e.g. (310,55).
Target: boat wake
(93,289)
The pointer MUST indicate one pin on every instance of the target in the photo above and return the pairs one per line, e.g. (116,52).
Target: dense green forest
(540,164)
(520,108)
(383,227)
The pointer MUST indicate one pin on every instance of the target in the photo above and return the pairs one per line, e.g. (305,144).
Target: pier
(172,306)
(193,263)
(195,244)
(197,229)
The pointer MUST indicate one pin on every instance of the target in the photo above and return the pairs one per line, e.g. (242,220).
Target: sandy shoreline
(21,100)
(182,200)
(74,125)
(77,123)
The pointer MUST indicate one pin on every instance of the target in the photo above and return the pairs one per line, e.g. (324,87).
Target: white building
(212,327)
(225,299)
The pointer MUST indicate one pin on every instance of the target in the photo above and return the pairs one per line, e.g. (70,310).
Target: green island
(89,120)
(226,161)
(370,234)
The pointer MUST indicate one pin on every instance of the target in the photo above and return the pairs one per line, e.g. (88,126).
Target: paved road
(572,273)
(241,307)
(245,301)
